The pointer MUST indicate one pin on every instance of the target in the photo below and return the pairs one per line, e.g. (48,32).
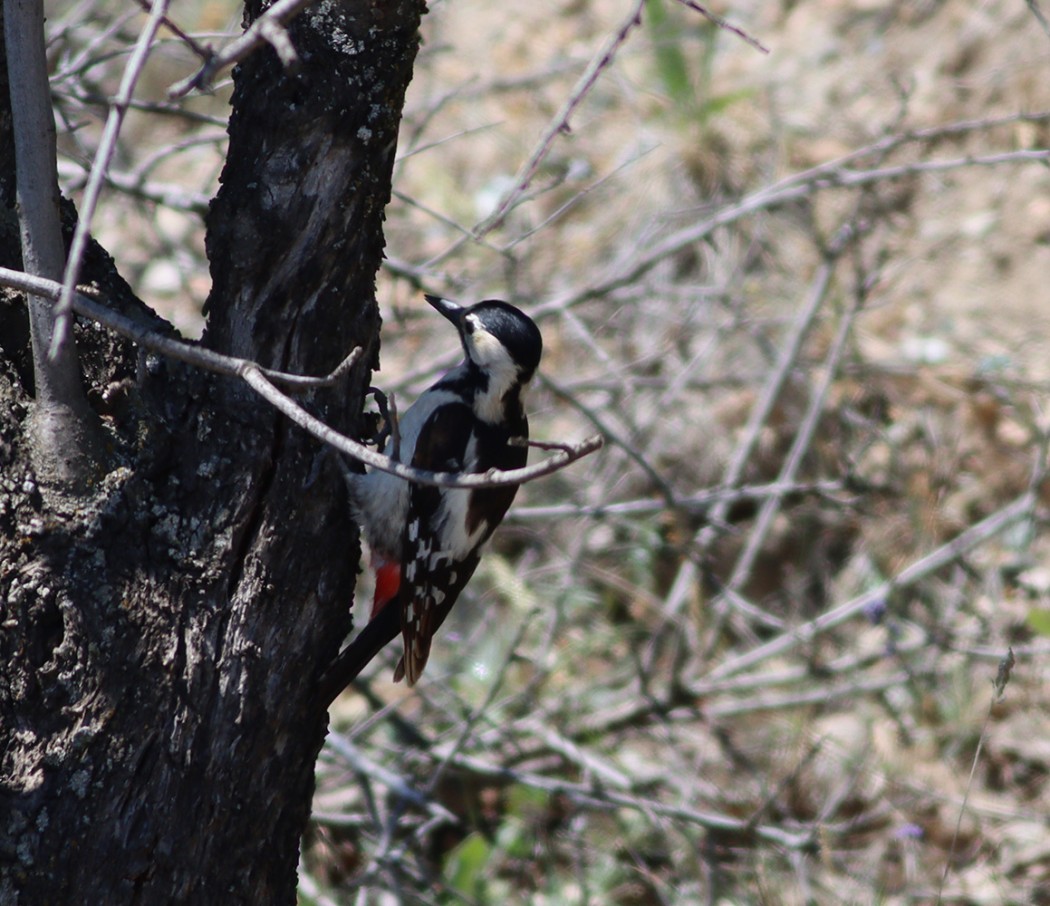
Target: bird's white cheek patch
(490,353)
(487,346)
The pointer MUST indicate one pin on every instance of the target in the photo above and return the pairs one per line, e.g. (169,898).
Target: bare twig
(191,354)
(79,63)
(107,145)
(1006,666)
(186,39)
(169,195)
(268,28)
(401,786)
(786,361)
(832,175)
(155,108)
(479,712)
(799,446)
(853,687)
(962,544)
(255,379)
(603,772)
(263,381)
(723,24)
(699,503)
(1040,16)
(596,797)
(606,431)
(273,32)
(57,381)
(560,123)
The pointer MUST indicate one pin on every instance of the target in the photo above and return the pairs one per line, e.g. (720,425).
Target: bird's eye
(469,325)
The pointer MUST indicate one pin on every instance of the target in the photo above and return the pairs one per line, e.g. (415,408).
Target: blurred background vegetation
(746,653)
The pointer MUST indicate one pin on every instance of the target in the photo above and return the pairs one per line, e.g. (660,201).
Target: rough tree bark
(161,638)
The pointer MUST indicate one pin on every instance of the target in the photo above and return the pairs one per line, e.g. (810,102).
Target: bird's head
(500,339)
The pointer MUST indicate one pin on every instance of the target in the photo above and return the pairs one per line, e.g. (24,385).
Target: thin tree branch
(963,543)
(606,431)
(798,186)
(106,147)
(595,796)
(268,28)
(685,580)
(169,195)
(1006,666)
(699,504)
(560,123)
(57,381)
(723,24)
(197,356)
(67,444)
(255,379)
(799,447)
(262,380)
(360,763)
(186,39)
(1040,16)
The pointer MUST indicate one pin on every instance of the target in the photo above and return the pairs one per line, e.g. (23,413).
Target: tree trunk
(161,639)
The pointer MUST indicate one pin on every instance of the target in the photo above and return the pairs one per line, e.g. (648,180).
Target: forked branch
(264,380)
(267,29)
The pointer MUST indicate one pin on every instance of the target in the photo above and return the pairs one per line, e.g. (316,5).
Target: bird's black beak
(450,310)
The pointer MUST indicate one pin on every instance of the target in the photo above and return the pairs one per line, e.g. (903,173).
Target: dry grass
(746,655)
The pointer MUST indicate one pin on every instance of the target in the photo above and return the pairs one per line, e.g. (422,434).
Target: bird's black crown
(514,329)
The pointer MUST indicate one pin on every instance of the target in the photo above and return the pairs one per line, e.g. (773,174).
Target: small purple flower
(875,611)
(909,831)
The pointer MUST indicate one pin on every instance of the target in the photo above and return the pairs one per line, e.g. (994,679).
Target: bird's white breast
(383,499)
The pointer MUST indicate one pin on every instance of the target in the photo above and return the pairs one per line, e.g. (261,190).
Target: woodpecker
(426,541)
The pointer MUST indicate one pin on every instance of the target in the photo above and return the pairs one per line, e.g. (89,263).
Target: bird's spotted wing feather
(431,580)
(424,609)
(431,577)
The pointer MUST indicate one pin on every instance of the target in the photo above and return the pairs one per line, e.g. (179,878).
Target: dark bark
(162,639)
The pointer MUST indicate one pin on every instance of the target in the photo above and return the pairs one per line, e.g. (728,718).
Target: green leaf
(466,865)
(671,65)
(1039,620)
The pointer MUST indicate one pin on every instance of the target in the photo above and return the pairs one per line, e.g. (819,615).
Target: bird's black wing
(430,579)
